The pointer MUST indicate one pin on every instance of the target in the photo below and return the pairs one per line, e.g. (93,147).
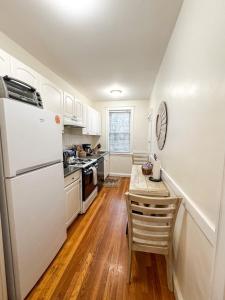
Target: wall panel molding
(196,213)
(177,291)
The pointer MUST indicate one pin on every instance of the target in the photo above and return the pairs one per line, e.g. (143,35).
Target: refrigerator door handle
(37,167)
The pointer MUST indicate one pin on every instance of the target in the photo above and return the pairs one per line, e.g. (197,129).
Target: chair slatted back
(139,158)
(151,222)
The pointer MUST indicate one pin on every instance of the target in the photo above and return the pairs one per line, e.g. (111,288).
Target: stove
(83,162)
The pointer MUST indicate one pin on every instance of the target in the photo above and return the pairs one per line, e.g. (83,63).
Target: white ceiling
(95,45)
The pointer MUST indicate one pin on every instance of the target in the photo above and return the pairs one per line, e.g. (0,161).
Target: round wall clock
(161,125)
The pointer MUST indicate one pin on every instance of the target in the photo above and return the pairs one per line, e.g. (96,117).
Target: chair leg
(169,267)
(129,264)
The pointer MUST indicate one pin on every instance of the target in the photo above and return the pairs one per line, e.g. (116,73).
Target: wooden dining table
(141,185)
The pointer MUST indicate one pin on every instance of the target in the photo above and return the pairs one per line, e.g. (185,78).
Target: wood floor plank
(92,264)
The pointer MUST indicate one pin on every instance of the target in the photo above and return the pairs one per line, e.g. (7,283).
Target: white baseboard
(196,213)
(120,174)
(177,291)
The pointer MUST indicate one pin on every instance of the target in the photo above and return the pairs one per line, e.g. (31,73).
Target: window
(120,131)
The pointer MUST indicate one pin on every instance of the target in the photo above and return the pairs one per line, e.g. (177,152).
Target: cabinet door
(95,122)
(5,65)
(79,111)
(84,117)
(68,105)
(92,121)
(89,120)
(98,123)
(73,201)
(25,73)
(52,96)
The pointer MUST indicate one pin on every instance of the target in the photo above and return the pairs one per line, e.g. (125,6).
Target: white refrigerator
(32,203)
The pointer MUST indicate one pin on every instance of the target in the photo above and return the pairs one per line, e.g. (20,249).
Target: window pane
(119,131)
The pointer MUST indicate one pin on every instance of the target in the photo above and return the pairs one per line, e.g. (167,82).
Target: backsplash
(74,136)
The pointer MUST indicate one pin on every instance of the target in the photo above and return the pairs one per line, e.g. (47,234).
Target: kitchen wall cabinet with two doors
(54,99)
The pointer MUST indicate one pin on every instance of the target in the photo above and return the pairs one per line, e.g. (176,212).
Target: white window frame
(116,109)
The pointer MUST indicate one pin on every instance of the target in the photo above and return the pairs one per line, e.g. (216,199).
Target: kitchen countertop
(100,154)
(70,170)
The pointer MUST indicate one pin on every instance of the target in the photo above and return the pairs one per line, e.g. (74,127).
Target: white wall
(192,82)
(121,164)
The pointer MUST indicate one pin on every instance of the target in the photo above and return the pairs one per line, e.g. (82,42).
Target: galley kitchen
(112,150)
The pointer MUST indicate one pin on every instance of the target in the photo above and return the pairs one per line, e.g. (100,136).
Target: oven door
(88,184)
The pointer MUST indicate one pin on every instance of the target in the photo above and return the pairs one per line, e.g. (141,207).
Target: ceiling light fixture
(75,8)
(116,93)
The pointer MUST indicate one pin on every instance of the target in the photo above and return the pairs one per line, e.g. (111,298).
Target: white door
(31,137)
(36,208)
(23,72)
(52,96)
(5,64)
(79,112)
(73,201)
(68,105)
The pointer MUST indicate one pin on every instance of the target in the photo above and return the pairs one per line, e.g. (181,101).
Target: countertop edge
(76,169)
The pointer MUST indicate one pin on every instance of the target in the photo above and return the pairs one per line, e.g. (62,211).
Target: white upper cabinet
(84,116)
(73,109)
(99,124)
(5,63)
(24,73)
(68,105)
(93,122)
(52,96)
(79,111)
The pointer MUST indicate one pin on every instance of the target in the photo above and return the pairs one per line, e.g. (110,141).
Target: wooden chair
(151,223)
(139,158)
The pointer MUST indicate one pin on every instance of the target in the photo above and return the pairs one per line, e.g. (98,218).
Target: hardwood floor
(92,264)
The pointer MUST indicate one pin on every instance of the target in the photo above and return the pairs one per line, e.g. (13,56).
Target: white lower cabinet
(106,166)
(73,197)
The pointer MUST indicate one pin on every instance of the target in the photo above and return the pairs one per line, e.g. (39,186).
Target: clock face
(161,125)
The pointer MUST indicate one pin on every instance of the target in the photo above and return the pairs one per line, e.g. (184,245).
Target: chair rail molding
(205,225)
